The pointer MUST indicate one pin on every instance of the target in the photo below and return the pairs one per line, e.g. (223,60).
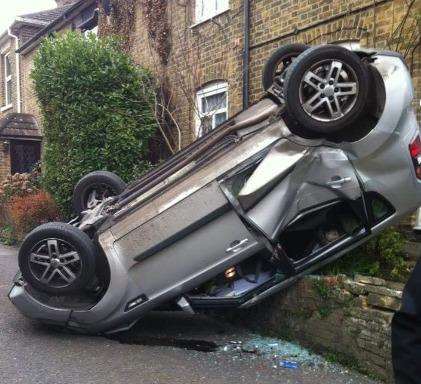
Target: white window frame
(206,91)
(205,13)
(7,81)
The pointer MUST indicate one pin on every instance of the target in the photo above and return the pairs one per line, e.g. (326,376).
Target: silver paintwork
(307,185)
(35,309)
(173,239)
(92,217)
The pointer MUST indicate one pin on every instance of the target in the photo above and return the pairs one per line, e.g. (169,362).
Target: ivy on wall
(119,21)
(155,13)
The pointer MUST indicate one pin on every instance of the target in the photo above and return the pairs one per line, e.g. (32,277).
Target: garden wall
(347,318)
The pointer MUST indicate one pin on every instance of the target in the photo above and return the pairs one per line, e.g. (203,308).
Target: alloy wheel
(55,263)
(328,90)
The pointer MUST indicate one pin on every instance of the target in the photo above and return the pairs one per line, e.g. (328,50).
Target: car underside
(327,159)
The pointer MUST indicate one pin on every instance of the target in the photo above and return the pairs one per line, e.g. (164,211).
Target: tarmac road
(34,354)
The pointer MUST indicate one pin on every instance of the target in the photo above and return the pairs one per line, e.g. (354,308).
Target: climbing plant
(97,109)
(118,20)
(155,14)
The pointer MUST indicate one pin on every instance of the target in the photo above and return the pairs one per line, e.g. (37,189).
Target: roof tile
(48,15)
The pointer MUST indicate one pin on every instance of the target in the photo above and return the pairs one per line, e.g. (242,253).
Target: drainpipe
(246,54)
(19,109)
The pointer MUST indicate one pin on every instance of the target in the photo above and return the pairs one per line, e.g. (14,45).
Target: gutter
(246,55)
(53,26)
(18,90)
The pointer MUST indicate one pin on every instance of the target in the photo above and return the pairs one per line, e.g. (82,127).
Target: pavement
(168,348)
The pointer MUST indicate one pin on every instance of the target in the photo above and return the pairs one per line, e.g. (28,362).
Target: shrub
(382,256)
(97,109)
(19,184)
(28,211)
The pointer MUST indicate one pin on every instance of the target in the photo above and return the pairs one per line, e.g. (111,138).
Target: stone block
(369,280)
(354,287)
(384,291)
(395,285)
(386,302)
(342,296)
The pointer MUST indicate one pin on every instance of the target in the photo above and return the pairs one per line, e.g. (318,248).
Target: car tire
(57,258)
(94,188)
(326,89)
(284,56)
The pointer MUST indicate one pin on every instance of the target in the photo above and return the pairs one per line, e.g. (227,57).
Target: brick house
(20,117)
(207,54)
(210,53)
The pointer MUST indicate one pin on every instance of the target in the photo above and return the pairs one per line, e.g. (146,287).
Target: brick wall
(4,161)
(348,318)
(29,99)
(12,57)
(4,145)
(212,50)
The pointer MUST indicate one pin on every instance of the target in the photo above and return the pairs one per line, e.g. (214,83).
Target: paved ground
(31,353)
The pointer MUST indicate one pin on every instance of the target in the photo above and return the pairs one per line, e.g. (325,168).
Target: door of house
(24,155)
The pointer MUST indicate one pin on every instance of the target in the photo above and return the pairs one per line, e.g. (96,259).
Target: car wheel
(94,188)
(326,89)
(57,258)
(275,68)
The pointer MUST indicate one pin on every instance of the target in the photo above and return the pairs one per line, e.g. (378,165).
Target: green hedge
(382,256)
(98,111)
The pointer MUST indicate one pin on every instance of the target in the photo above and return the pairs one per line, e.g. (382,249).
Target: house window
(7,67)
(212,107)
(24,155)
(206,9)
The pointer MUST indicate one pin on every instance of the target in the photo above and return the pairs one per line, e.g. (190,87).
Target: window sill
(200,22)
(6,107)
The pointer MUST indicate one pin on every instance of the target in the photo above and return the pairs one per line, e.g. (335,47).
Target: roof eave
(53,26)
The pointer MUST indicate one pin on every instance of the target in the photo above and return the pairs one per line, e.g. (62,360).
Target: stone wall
(348,318)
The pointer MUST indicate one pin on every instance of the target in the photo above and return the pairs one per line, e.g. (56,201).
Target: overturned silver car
(330,157)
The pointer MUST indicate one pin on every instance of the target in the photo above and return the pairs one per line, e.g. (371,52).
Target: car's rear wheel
(326,89)
(276,67)
(57,258)
(94,188)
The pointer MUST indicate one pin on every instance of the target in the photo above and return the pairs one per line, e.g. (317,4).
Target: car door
(306,202)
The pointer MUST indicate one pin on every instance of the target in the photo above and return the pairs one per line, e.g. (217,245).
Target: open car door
(306,203)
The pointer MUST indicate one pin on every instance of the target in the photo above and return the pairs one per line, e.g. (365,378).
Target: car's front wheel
(57,258)
(326,89)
